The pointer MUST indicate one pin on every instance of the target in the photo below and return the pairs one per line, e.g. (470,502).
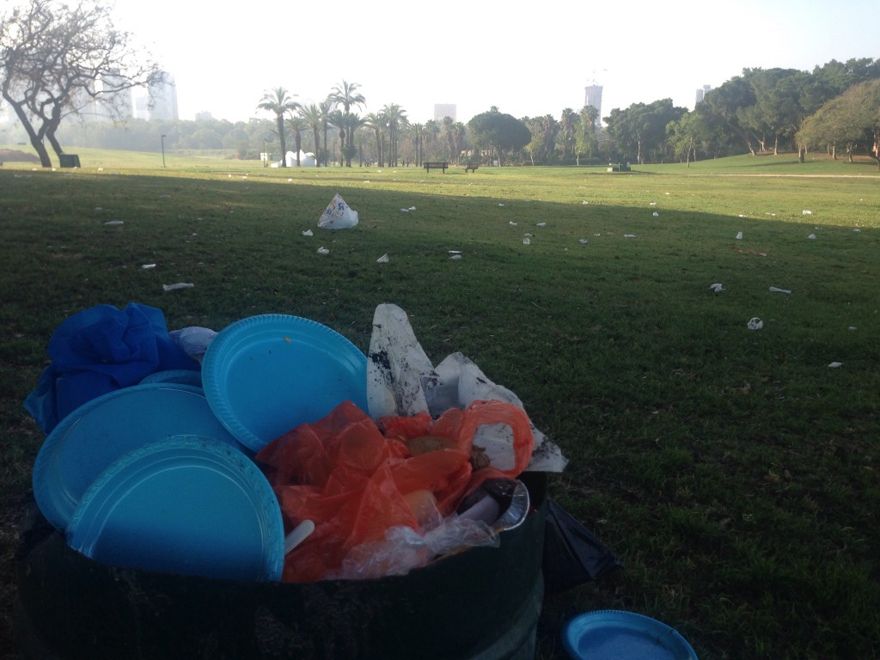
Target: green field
(733,472)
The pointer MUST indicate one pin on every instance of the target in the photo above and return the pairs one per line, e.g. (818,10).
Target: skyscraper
(163,98)
(701,93)
(593,97)
(442,110)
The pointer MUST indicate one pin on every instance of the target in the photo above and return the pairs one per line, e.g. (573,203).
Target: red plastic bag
(355,483)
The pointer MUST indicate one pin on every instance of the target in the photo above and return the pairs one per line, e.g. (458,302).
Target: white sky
(528,58)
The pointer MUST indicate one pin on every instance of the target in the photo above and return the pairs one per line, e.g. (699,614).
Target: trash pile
(274,449)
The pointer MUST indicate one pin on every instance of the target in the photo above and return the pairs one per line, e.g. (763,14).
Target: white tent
(306,159)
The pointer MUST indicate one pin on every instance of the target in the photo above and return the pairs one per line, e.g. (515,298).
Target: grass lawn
(733,472)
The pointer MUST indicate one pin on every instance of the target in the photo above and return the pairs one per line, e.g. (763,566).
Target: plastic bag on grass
(338,215)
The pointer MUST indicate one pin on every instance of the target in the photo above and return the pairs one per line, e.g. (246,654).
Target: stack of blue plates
(620,635)
(267,374)
(147,477)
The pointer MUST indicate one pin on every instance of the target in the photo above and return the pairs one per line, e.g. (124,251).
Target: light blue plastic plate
(186,505)
(265,375)
(182,376)
(99,432)
(620,635)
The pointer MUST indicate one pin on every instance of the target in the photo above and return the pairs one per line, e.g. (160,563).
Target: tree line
(56,60)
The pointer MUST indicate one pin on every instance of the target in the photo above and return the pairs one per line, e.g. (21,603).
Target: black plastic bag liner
(572,553)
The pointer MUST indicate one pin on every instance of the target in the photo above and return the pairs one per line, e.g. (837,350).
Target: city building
(701,93)
(593,97)
(204,115)
(442,110)
(162,103)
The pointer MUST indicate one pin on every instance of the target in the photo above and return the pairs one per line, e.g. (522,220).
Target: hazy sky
(530,58)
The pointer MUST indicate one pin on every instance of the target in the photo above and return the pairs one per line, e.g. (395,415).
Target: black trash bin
(483,603)
(69,160)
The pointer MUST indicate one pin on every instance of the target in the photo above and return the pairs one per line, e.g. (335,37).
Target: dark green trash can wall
(68,160)
(483,603)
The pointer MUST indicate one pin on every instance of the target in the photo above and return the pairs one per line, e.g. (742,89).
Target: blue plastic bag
(99,350)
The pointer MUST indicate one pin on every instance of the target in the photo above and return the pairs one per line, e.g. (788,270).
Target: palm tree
(346,96)
(377,123)
(395,118)
(337,119)
(279,102)
(311,115)
(326,107)
(417,130)
(298,124)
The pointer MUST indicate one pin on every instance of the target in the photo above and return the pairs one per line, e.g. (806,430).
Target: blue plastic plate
(267,374)
(619,635)
(99,432)
(182,376)
(187,505)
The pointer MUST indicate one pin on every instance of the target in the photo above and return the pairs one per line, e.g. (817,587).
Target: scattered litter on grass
(323,250)
(114,223)
(412,208)
(177,285)
(597,234)
(776,289)
(806,212)
(629,235)
(857,229)
(148,266)
(835,365)
(98,209)
(383,259)
(812,237)
(653,204)
(656,214)
(667,194)
(583,241)
(100,169)
(289,180)
(500,204)
(528,234)
(512,223)
(740,215)
(308,232)
(755,323)
(454,251)
(404,210)
(540,224)
(455,257)
(851,328)
(527,241)
(739,235)
(584,203)
(717,287)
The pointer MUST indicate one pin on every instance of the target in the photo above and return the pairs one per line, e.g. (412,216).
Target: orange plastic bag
(355,483)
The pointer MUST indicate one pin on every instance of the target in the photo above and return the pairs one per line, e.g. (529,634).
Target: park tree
(375,121)
(586,138)
(640,130)
(346,95)
(56,60)
(279,103)
(395,121)
(311,115)
(568,128)
(851,120)
(542,145)
(498,131)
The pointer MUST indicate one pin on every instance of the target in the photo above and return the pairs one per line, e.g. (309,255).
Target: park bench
(436,165)
(472,167)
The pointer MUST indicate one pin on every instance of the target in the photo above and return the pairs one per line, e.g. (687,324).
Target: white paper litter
(338,215)
(308,232)
(653,204)
(584,203)
(500,204)
(776,289)
(835,365)
(739,235)
(147,266)
(852,327)
(404,210)
(383,259)
(629,235)
(455,257)
(540,224)
(113,223)
(812,237)
(583,241)
(755,323)
(454,251)
(527,241)
(857,230)
(717,287)
(402,381)
(655,214)
(512,223)
(177,285)
(323,250)
(806,212)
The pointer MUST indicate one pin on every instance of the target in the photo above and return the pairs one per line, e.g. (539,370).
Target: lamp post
(163,150)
